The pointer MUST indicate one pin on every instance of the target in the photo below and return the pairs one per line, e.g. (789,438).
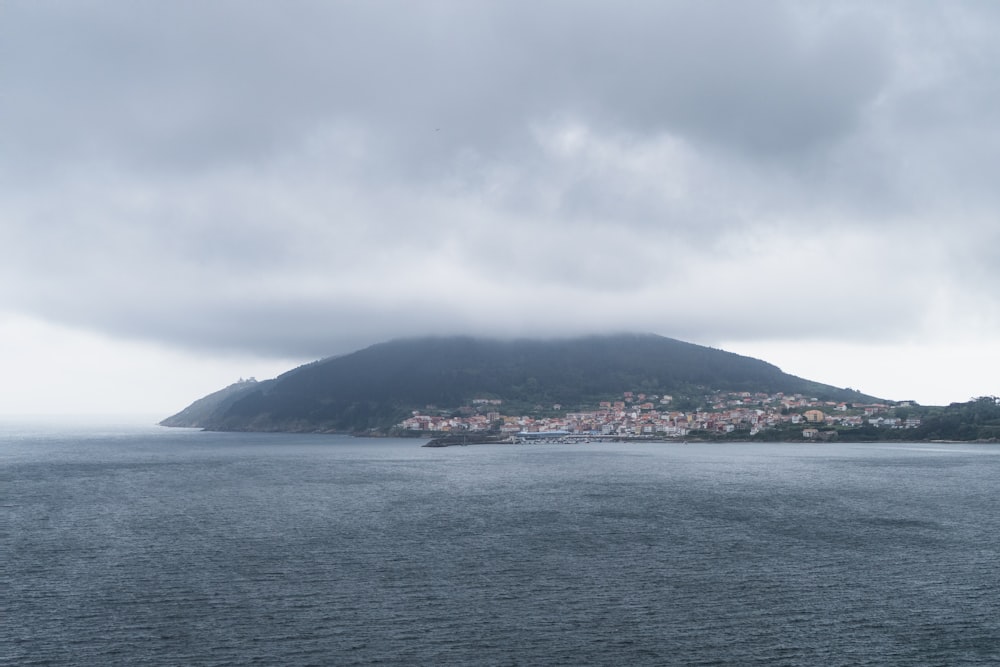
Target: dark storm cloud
(184,82)
(297,178)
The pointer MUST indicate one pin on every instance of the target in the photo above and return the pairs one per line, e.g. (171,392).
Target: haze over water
(127,546)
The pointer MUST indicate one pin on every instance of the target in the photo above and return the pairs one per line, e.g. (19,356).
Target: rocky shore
(469,439)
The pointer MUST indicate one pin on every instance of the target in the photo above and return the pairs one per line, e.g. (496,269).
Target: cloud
(299,179)
(175,85)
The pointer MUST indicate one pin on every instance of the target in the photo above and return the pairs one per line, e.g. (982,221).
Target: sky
(197,192)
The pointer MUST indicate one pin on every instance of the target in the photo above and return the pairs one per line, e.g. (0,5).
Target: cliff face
(378,386)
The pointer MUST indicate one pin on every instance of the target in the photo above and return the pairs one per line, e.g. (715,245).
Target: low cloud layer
(300,179)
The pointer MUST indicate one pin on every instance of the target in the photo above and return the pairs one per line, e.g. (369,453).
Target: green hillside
(201,412)
(376,387)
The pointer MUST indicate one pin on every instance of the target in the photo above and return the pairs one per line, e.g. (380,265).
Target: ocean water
(125,545)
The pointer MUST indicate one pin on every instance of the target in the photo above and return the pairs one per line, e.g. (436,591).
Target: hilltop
(377,387)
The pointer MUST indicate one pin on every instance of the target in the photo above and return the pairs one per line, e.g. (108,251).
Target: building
(815,416)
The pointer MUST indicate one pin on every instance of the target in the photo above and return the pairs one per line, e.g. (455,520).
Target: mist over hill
(378,386)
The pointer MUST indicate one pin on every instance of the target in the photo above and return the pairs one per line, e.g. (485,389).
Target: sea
(132,544)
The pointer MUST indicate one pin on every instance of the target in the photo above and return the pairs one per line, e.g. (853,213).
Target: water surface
(129,545)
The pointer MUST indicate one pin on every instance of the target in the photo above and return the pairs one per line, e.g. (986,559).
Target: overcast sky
(194,192)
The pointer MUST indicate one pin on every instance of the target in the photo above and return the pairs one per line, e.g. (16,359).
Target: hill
(378,386)
(201,412)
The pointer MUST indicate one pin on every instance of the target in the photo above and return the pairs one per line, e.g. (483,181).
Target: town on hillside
(638,415)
